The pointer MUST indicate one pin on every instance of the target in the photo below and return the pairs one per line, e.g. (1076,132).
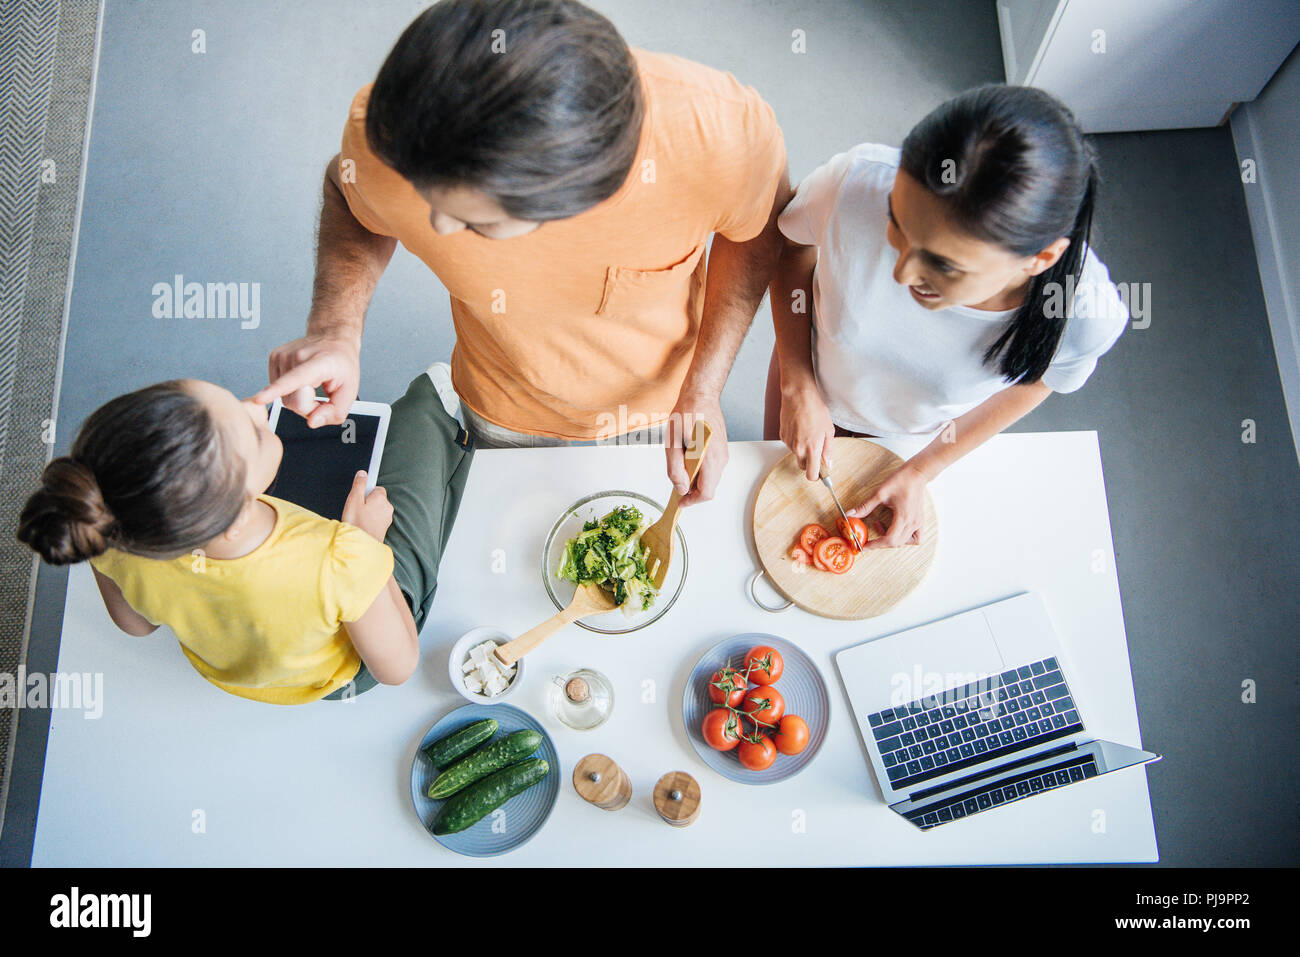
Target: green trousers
(426,460)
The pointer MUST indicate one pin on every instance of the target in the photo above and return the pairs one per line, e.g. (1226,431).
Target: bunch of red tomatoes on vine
(750,715)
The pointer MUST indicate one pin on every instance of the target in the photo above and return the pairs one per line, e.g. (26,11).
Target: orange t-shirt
(560,327)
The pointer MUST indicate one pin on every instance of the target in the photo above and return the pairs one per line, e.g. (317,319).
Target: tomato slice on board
(858,527)
(810,536)
(799,556)
(834,554)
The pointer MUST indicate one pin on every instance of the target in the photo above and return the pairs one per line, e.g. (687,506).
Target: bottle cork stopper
(577,691)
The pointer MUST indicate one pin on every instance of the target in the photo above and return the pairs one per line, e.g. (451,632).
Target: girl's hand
(904,493)
(371,513)
(807,429)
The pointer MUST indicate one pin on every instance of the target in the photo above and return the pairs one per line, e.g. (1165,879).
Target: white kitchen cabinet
(1147,64)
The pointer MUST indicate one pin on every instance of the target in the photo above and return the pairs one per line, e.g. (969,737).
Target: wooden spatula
(590,599)
(658,538)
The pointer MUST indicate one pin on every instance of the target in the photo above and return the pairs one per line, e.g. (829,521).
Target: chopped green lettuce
(609,553)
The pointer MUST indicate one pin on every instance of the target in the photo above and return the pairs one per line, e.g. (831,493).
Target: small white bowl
(460,653)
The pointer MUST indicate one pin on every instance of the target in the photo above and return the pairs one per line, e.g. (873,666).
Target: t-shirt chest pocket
(631,294)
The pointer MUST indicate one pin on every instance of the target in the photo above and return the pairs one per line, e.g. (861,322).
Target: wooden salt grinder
(677,798)
(599,781)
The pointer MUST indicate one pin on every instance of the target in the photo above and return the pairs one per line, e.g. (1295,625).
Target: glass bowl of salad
(598,537)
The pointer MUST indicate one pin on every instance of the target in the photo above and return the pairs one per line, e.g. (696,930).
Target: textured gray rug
(47,56)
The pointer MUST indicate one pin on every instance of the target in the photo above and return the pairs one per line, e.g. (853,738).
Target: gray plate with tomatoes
(802,692)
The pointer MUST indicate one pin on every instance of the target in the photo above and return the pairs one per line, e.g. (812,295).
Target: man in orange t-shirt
(563,188)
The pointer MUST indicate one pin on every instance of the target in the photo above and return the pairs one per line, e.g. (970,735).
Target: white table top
(177,772)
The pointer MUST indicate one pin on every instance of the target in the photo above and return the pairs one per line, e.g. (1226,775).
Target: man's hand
(680,430)
(738,272)
(371,513)
(296,368)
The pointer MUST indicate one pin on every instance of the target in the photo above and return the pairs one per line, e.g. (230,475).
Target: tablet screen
(318,465)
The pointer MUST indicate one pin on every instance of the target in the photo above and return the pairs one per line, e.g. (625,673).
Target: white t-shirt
(886,365)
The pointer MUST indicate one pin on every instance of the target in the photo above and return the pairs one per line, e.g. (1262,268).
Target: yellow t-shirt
(585,327)
(267,625)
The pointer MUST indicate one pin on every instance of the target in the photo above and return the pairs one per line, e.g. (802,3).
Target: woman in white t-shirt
(950,289)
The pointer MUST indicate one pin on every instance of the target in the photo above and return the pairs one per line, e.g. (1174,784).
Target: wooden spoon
(590,599)
(658,538)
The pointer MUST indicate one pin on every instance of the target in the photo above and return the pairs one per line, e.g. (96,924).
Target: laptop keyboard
(1002,792)
(984,720)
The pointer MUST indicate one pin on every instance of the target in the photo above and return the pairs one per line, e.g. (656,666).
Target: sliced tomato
(799,556)
(810,536)
(834,554)
(857,527)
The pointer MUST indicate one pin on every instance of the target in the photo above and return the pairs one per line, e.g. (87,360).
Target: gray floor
(209,165)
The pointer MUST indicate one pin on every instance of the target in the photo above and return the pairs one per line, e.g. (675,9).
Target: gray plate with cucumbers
(498,793)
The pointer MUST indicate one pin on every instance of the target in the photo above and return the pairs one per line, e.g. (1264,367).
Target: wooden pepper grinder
(677,798)
(599,781)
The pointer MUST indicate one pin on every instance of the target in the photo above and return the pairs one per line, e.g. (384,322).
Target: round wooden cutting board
(879,578)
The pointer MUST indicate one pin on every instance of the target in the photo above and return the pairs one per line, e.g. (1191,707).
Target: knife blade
(826,480)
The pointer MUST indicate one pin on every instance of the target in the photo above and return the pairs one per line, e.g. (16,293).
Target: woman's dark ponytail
(66,520)
(1015,170)
(149,474)
(1029,342)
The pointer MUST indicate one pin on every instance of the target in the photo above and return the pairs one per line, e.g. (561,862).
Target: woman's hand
(807,429)
(371,513)
(904,493)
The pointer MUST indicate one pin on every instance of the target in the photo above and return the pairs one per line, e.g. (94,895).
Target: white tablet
(318,465)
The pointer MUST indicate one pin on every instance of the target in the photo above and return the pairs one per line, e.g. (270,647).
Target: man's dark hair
(535,102)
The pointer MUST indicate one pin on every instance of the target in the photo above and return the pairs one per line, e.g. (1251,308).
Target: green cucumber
(479,800)
(491,757)
(447,750)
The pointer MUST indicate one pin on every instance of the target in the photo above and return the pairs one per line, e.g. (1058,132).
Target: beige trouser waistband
(489,435)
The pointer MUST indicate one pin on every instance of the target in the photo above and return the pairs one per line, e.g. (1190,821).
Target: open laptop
(973,712)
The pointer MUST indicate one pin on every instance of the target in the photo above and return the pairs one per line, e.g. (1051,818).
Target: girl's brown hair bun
(66,520)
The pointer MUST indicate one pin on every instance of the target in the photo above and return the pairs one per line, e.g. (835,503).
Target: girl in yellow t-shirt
(163,492)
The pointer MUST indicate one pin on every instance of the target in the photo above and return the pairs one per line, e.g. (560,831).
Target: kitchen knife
(826,480)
